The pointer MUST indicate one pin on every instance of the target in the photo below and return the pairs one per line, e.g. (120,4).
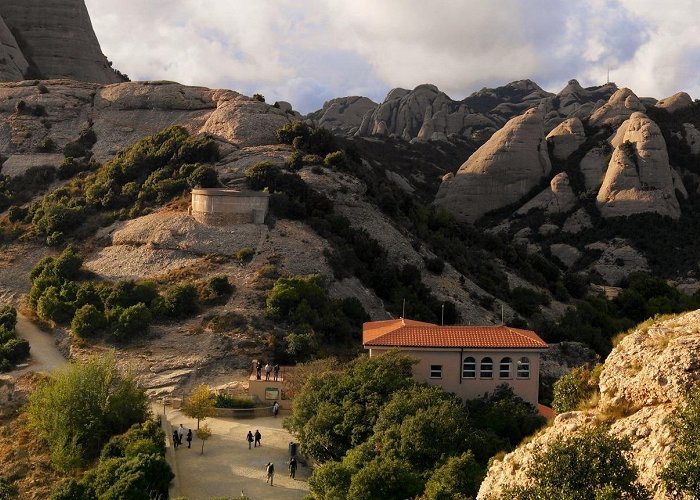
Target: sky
(309,51)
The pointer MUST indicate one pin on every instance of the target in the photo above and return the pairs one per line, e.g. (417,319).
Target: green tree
(385,478)
(683,470)
(331,481)
(131,321)
(78,408)
(335,411)
(589,465)
(203,434)
(455,479)
(200,403)
(180,300)
(87,321)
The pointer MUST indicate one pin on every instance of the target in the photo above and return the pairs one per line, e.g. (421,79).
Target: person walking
(258,436)
(189,438)
(249,438)
(180,433)
(276,371)
(292,467)
(270,467)
(176,441)
(275,409)
(258,369)
(268,370)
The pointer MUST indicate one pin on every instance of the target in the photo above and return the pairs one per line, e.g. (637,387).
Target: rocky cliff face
(644,380)
(50,39)
(639,178)
(344,114)
(512,162)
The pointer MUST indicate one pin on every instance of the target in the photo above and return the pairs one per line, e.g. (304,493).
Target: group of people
(177,437)
(273,370)
(270,468)
(254,438)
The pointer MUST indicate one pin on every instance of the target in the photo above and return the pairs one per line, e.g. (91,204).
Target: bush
(334,160)
(683,470)
(203,176)
(180,300)
(435,265)
(575,388)
(132,321)
(229,401)
(454,479)
(244,255)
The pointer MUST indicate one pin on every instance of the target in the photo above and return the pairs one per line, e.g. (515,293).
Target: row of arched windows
(505,368)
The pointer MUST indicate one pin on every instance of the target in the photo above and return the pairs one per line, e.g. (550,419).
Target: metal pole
(442,321)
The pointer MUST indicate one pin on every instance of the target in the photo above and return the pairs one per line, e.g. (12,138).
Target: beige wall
(451,361)
(219,206)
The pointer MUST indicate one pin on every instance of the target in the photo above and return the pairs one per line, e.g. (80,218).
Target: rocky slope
(50,39)
(644,380)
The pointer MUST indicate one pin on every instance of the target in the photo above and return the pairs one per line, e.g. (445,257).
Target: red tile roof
(406,333)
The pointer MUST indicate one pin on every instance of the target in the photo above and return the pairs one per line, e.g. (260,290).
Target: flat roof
(230,192)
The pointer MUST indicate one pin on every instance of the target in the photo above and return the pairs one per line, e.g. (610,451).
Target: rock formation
(692,138)
(594,165)
(639,177)
(344,114)
(50,39)
(644,380)
(676,102)
(510,164)
(556,199)
(618,108)
(566,138)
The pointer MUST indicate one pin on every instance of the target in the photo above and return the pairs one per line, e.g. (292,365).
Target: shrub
(215,289)
(229,401)
(454,479)
(47,145)
(334,160)
(131,321)
(574,388)
(435,265)
(203,176)
(180,300)
(244,255)
(683,470)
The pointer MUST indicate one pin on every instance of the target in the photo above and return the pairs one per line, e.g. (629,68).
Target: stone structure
(220,207)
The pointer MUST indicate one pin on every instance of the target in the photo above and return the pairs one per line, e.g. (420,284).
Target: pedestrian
(275,408)
(276,371)
(268,370)
(176,441)
(258,369)
(189,438)
(292,467)
(180,433)
(249,438)
(270,467)
(258,436)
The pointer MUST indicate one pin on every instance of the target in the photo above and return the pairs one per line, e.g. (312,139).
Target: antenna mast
(403,310)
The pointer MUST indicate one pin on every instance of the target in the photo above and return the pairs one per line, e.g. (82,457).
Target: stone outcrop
(644,380)
(676,102)
(577,222)
(692,138)
(566,138)
(619,107)
(594,165)
(556,199)
(617,260)
(567,254)
(510,164)
(639,177)
(344,114)
(51,39)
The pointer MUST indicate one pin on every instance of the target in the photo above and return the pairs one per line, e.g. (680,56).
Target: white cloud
(307,52)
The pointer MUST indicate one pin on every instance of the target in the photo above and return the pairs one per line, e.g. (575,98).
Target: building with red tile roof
(469,361)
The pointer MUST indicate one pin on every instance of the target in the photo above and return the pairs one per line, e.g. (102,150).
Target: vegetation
(237,402)
(13,350)
(591,465)
(200,404)
(683,470)
(77,409)
(203,434)
(378,434)
(575,388)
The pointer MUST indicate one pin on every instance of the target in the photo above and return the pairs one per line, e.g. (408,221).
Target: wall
(221,207)
(451,361)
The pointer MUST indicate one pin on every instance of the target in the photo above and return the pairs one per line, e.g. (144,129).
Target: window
(486,368)
(523,368)
(504,368)
(469,368)
(435,371)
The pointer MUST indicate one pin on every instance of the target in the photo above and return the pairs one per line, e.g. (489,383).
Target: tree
(335,411)
(87,321)
(455,479)
(132,320)
(589,465)
(331,481)
(204,433)
(78,408)
(199,404)
(385,478)
(683,470)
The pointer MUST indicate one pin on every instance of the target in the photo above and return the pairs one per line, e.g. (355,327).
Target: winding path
(44,355)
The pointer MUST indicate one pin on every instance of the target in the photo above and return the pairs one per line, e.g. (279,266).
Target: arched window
(469,368)
(504,368)
(486,368)
(523,368)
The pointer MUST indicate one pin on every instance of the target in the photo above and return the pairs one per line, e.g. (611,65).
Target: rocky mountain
(50,39)
(644,380)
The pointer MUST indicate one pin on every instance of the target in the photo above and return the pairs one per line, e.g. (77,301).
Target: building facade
(223,207)
(469,361)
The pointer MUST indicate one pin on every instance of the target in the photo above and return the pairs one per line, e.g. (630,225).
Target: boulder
(577,222)
(619,107)
(639,177)
(56,38)
(503,170)
(343,114)
(676,102)
(13,64)
(692,138)
(566,138)
(617,260)
(17,165)
(555,199)
(567,254)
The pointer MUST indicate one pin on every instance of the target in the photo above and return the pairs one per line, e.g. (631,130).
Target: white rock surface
(556,199)
(617,260)
(566,138)
(500,172)
(593,166)
(619,107)
(676,102)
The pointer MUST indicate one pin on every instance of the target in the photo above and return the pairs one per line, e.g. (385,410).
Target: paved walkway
(44,356)
(228,466)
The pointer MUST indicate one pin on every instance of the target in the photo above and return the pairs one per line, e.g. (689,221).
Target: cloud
(308,52)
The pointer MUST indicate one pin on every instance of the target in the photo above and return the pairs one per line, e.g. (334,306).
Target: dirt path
(44,355)
(228,467)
